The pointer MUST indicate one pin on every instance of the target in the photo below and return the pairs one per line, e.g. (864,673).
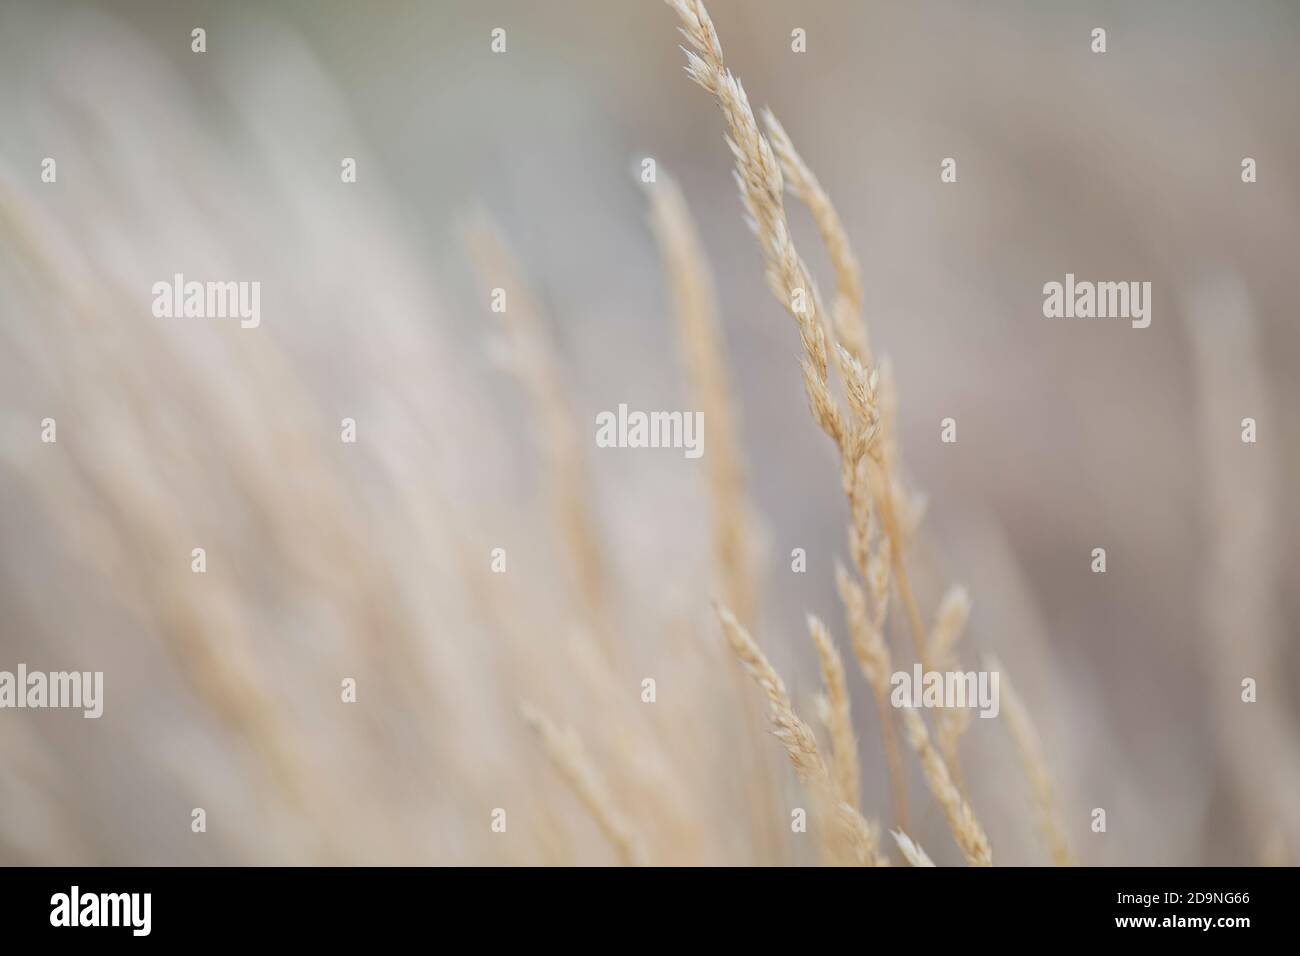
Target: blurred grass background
(1122,166)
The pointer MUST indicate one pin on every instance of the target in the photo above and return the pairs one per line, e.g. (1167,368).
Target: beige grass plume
(566,751)
(700,341)
(911,850)
(850,329)
(1047,809)
(640,765)
(859,836)
(868,641)
(966,828)
(758,174)
(735,548)
(852,337)
(855,433)
(528,354)
(951,722)
(838,716)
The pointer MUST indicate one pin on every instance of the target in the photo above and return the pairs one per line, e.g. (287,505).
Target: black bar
(330,906)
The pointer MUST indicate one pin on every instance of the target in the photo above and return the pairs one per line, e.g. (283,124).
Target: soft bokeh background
(371,560)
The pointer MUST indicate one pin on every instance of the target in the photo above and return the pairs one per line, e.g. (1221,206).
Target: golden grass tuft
(868,457)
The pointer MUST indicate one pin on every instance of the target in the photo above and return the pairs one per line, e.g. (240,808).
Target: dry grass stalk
(758,174)
(860,840)
(856,434)
(869,647)
(911,851)
(1047,809)
(949,625)
(699,337)
(205,627)
(966,828)
(640,760)
(851,334)
(700,341)
(850,330)
(849,326)
(902,511)
(530,357)
(566,751)
(838,716)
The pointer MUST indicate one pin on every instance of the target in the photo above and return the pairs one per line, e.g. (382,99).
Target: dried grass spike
(911,851)
(566,751)
(859,836)
(966,829)
(839,719)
